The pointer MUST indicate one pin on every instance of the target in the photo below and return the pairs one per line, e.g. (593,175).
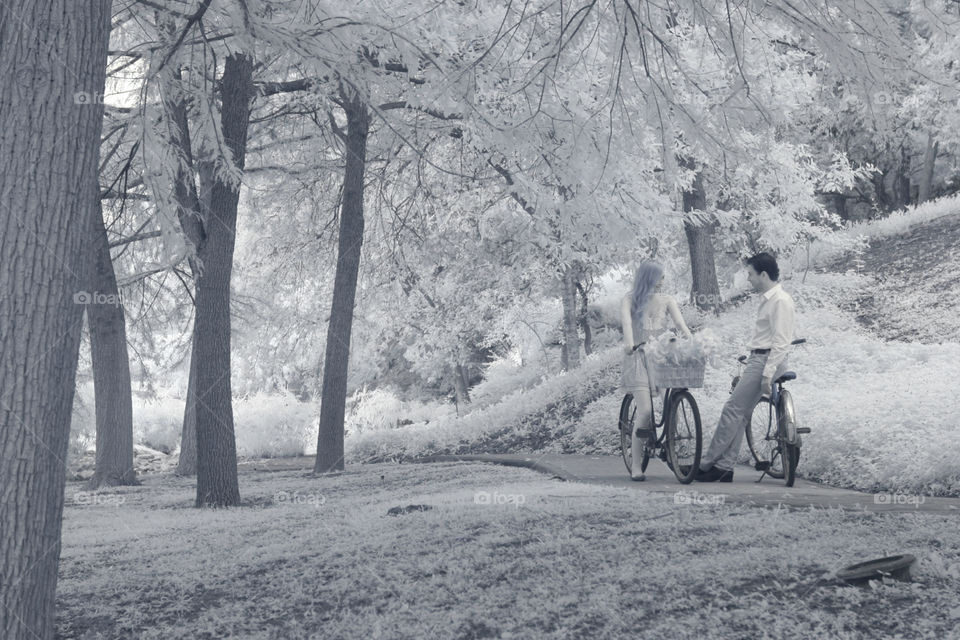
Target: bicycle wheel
(684,436)
(762,438)
(790,474)
(628,410)
(784,453)
(787,430)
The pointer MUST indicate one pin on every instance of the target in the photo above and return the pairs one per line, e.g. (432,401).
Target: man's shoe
(715,474)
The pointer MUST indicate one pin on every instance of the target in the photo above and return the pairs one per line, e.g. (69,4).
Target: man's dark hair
(765,262)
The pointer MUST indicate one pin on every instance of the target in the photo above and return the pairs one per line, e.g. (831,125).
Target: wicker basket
(688,375)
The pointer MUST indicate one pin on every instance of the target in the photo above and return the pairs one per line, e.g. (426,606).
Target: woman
(643,312)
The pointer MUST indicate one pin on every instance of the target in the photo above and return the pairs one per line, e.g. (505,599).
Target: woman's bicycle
(680,441)
(773,436)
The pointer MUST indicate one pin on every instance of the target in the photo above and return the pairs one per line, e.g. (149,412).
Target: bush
(275,426)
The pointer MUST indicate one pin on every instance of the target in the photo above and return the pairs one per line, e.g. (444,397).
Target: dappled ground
(913,289)
(501,553)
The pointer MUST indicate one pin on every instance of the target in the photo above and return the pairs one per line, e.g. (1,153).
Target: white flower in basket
(680,362)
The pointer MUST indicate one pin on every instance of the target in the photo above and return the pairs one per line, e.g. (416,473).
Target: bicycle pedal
(762,466)
(645,434)
(803,429)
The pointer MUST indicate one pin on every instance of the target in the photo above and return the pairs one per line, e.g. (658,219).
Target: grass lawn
(502,553)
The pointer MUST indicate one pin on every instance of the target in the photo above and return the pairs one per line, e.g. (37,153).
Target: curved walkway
(609,470)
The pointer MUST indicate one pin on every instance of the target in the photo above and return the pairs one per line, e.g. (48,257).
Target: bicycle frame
(669,445)
(781,421)
(654,423)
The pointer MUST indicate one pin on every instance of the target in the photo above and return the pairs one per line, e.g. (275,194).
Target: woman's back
(654,320)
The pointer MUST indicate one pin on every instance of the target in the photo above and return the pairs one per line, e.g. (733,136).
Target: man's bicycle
(680,440)
(773,436)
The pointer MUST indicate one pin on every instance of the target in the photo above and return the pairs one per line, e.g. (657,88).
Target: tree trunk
(190,216)
(111,368)
(461,385)
(902,185)
(53,62)
(926,172)
(336,361)
(217,483)
(705,292)
(570,352)
(584,320)
(879,179)
(187,462)
(193,224)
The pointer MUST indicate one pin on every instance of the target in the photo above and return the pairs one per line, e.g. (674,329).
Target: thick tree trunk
(217,483)
(111,368)
(705,292)
(53,62)
(193,225)
(336,361)
(570,352)
(926,172)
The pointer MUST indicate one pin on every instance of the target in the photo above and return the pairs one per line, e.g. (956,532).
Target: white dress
(633,374)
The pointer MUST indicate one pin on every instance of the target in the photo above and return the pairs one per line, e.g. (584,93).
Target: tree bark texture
(583,318)
(111,367)
(190,216)
(705,290)
(337,356)
(217,483)
(53,62)
(570,352)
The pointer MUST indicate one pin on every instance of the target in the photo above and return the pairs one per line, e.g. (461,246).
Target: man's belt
(759,351)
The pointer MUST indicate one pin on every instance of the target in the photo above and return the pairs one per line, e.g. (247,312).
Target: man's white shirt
(774,329)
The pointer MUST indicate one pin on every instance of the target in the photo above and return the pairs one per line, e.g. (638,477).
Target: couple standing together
(644,314)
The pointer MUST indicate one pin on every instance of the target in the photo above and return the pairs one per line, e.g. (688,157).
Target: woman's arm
(627,323)
(674,310)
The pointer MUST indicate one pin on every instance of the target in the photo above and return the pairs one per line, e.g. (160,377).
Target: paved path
(609,470)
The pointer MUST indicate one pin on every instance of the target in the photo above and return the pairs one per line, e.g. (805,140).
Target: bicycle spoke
(684,436)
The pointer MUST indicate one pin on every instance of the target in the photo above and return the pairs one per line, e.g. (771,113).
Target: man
(768,360)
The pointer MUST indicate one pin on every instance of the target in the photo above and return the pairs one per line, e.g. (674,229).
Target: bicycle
(773,437)
(680,442)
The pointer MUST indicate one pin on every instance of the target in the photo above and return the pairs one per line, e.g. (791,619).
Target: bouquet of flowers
(680,362)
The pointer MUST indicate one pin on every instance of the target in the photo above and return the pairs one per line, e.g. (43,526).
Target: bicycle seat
(789,375)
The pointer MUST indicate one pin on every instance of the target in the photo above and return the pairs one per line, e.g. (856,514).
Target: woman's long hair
(648,275)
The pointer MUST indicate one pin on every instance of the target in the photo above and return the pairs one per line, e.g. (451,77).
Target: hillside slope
(913,291)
